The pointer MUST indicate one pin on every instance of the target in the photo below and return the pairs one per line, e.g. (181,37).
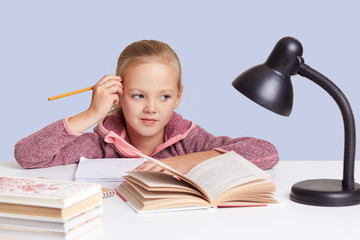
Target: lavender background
(52,47)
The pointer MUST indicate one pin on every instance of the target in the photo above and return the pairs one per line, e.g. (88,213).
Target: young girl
(135,113)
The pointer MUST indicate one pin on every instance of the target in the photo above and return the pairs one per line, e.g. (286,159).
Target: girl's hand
(105,94)
(150,166)
(182,163)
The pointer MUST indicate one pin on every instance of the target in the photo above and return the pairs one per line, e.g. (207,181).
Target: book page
(105,169)
(224,172)
(176,173)
(157,181)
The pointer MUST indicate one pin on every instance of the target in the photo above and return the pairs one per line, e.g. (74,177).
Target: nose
(150,106)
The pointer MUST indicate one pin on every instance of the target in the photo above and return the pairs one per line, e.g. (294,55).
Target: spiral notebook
(105,170)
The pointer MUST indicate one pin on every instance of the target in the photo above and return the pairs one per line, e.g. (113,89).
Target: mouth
(148,121)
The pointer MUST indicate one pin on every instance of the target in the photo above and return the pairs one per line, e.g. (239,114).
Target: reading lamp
(269,85)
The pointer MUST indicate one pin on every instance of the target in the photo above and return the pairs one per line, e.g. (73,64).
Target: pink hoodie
(56,144)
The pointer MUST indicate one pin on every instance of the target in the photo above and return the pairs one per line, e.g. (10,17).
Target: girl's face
(150,94)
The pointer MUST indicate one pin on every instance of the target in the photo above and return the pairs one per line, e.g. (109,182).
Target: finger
(117,88)
(146,166)
(108,77)
(156,168)
(121,91)
(114,89)
(167,172)
(111,82)
(139,167)
(108,87)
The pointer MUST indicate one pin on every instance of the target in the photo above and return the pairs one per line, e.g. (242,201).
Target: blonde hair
(146,51)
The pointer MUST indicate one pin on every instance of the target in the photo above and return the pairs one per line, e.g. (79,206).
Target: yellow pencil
(70,93)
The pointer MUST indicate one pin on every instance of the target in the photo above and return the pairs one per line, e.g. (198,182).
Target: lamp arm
(348,118)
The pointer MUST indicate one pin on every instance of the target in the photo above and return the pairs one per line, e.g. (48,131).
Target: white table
(288,220)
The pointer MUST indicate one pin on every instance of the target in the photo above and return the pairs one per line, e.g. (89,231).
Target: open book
(228,180)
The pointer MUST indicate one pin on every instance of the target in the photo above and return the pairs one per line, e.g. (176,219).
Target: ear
(118,104)
(177,103)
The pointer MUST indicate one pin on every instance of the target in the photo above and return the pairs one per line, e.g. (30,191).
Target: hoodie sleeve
(56,145)
(260,152)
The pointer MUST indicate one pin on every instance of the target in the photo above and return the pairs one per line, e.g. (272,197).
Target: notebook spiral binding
(108,192)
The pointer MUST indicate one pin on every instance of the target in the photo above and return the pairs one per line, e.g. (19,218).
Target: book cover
(44,192)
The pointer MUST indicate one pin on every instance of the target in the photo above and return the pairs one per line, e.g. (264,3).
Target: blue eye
(165,97)
(138,96)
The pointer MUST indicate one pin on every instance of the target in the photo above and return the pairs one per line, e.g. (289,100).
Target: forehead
(151,75)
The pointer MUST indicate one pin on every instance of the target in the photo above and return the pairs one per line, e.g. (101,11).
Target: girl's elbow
(270,162)
(20,159)
(24,155)
(263,153)
(270,156)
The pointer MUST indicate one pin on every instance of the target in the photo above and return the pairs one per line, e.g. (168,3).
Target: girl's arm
(64,142)
(258,151)
(56,145)
(200,145)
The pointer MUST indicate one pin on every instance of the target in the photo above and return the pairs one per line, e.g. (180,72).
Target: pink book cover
(44,192)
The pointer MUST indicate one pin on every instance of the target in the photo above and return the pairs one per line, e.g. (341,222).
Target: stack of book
(65,208)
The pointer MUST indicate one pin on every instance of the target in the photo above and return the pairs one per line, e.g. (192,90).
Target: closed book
(46,224)
(48,212)
(44,192)
(33,234)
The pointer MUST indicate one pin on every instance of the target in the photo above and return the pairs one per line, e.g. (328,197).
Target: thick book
(44,192)
(32,232)
(51,225)
(49,212)
(228,180)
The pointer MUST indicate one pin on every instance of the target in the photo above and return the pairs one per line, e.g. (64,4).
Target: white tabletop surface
(288,220)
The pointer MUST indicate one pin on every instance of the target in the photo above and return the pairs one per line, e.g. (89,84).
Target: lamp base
(324,192)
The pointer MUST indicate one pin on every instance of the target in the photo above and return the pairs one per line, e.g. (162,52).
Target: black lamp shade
(269,84)
(267,87)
